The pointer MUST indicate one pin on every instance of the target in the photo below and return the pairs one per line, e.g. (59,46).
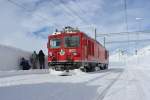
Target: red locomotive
(72,49)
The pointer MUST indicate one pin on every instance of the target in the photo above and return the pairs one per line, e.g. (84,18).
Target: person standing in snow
(34,60)
(41,57)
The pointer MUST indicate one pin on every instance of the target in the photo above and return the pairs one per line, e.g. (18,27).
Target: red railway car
(72,49)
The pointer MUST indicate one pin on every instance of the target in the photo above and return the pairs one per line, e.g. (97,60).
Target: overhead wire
(79,7)
(27,10)
(123,33)
(125,41)
(66,11)
(73,11)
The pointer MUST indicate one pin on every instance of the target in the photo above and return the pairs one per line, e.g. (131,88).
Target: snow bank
(54,72)
(64,73)
(10,57)
(118,59)
(22,72)
(142,58)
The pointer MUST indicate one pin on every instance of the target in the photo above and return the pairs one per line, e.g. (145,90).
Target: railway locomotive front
(72,49)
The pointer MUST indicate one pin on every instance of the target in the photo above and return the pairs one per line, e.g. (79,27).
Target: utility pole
(95,31)
(104,40)
(138,37)
(138,33)
(126,20)
(126,16)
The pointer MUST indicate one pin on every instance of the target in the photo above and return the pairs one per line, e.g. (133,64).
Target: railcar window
(72,41)
(55,43)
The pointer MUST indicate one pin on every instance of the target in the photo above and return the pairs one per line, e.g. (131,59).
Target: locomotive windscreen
(72,41)
(55,43)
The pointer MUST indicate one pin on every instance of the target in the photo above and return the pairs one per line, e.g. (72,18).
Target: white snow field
(130,81)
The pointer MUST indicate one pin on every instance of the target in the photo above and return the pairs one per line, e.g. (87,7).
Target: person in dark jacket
(24,64)
(41,57)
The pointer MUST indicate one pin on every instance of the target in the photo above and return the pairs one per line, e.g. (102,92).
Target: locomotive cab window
(72,41)
(55,43)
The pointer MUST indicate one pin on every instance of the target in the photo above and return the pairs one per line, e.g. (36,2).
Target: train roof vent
(55,33)
(69,29)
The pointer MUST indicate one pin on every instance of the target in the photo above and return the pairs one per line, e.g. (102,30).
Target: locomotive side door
(85,49)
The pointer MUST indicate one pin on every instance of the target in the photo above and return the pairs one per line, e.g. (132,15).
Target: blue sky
(27,24)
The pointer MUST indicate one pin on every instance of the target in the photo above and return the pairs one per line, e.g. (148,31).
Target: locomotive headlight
(74,53)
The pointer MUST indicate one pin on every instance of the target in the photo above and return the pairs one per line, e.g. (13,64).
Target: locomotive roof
(93,39)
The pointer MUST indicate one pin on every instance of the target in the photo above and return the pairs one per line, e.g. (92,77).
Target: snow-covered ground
(129,81)
(113,84)
(80,86)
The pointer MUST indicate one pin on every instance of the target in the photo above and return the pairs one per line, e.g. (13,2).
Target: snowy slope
(9,57)
(118,59)
(142,57)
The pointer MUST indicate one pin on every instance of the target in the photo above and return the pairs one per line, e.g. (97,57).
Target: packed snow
(126,81)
